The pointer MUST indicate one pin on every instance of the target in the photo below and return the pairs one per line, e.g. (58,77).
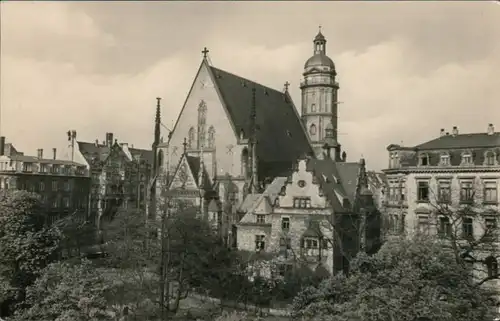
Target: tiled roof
(33,159)
(462,141)
(90,150)
(280,134)
(376,180)
(338,180)
(271,192)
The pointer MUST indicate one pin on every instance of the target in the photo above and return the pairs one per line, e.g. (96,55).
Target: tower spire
(253,142)
(157,123)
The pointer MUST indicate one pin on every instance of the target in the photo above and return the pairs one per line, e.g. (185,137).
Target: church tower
(319,99)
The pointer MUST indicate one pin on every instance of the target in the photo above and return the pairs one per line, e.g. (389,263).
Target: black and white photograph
(249,160)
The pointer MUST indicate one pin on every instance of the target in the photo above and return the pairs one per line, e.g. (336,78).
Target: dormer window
(466,158)
(394,160)
(424,160)
(489,158)
(445,159)
(27,167)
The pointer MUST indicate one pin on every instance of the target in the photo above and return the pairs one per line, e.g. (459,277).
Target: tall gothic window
(190,141)
(160,159)
(245,163)
(211,137)
(202,123)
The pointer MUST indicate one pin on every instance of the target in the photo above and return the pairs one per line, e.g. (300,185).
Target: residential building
(119,175)
(320,216)
(459,172)
(63,186)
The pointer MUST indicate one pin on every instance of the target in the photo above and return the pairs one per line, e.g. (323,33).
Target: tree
(405,280)
(67,292)
(27,246)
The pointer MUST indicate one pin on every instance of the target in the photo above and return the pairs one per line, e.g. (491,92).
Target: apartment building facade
(453,173)
(63,186)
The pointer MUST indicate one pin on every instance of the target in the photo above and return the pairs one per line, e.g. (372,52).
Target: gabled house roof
(194,165)
(98,152)
(33,159)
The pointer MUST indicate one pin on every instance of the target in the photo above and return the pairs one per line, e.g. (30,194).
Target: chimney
(2,145)
(442,133)
(54,152)
(109,139)
(40,153)
(491,129)
(97,143)
(454,131)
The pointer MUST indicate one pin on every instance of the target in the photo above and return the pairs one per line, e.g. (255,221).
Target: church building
(235,138)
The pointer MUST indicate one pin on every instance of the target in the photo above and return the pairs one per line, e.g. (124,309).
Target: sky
(405,69)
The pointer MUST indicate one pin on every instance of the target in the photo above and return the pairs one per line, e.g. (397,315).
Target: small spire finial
(287,84)
(185,144)
(319,28)
(205,51)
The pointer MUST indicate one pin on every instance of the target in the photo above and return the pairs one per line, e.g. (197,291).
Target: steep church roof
(280,134)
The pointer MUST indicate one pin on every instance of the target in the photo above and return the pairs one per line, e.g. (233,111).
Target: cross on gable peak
(287,84)
(205,52)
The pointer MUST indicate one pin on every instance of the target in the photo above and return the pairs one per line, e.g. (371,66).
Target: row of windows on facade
(40,186)
(285,243)
(53,169)
(445,230)
(65,202)
(298,202)
(445,227)
(396,225)
(444,159)
(201,138)
(467,191)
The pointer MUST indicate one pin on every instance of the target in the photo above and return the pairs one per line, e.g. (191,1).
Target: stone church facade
(235,140)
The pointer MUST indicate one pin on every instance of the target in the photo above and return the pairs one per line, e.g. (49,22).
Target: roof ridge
(246,79)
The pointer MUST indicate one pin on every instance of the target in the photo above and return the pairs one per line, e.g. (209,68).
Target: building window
(490,192)
(423,191)
(467,228)
(43,168)
(211,137)
(41,186)
(66,202)
(27,167)
(261,218)
(285,223)
(55,202)
(312,129)
(56,169)
(260,243)
(444,191)
(445,160)
(394,160)
(490,227)
(423,224)
(55,185)
(66,186)
(245,166)
(311,243)
(285,243)
(202,121)
(301,202)
(466,192)
(190,137)
(444,227)
(313,108)
(489,158)
(492,266)
(424,160)
(466,158)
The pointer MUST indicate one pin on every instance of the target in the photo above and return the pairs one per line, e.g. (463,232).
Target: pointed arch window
(191,134)
(211,137)
(312,129)
(160,159)
(245,163)
(202,122)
